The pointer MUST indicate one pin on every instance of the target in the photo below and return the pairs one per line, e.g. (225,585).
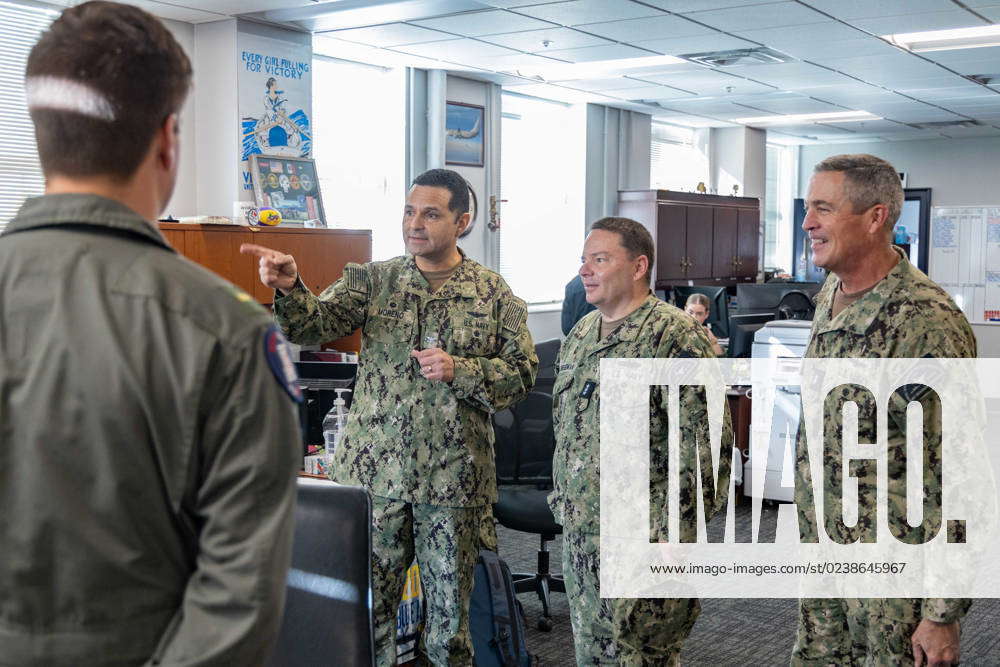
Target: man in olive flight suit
(444,344)
(874,304)
(148,437)
(629,322)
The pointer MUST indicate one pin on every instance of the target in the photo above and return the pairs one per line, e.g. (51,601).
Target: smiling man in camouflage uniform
(874,304)
(629,322)
(444,344)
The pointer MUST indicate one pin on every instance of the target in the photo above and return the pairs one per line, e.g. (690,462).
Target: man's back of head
(104,84)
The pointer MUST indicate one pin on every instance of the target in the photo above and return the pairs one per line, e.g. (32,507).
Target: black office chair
(526,509)
(328,616)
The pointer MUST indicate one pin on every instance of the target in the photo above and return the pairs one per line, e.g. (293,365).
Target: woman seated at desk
(698,306)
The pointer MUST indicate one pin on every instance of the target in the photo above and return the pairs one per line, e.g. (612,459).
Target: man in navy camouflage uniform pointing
(444,344)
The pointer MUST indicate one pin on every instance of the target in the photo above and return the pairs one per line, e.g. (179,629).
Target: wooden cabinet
(699,238)
(320,254)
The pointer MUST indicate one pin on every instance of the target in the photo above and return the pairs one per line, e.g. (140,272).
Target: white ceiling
(840,62)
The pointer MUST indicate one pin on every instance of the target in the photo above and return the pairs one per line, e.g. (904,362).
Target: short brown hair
(633,236)
(868,180)
(120,57)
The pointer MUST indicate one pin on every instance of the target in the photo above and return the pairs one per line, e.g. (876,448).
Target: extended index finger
(259,251)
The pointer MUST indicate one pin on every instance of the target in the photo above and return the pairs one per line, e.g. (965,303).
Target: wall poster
(275,101)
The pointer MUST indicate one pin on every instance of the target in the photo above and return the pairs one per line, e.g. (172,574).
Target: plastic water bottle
(333,424)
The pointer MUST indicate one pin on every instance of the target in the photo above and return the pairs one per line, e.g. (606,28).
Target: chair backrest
(524,436)
(548,353)
(328,616)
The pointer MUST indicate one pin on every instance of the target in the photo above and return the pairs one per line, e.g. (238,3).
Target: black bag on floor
(496,619)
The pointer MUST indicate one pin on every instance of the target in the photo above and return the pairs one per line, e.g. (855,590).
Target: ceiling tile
(992,13)
(868,9)
(958,57)
(476,24)
(359,15)
(652,27)
(757,17)
(684,6)
(668,116)
(516,61)
(457,50)
(559,38)
(796,105)
(509,4)
(928,115)
(390,34)
(827,31)
(578,12)
(868,126)
(592,53)
(649,92)
(820,51)
(709,83)
(604,83)
(788,75)
(952,18)
(689,45)
(965,91)
(552,92)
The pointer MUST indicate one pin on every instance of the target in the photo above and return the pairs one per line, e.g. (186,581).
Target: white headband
(49,92)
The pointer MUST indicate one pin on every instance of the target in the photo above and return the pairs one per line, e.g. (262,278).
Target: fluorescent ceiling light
(945,40)
(798,119)
(593,69)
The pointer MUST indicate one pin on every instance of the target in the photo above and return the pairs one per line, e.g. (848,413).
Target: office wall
(183,200)
(473,92)
(959,172)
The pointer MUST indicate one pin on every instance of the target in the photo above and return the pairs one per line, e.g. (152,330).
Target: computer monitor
(718,315)
(783,301)
(741,331)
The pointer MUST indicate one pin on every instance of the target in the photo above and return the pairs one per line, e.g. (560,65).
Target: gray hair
(868,180)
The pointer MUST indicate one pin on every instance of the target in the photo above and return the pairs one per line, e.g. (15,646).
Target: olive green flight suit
(147,449)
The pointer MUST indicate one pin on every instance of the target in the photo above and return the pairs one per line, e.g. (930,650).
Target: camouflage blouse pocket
(383,329)
(474,335)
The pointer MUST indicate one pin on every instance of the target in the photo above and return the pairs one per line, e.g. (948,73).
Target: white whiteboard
(965,258)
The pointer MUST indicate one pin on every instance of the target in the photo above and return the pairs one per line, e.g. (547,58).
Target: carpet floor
(730,631)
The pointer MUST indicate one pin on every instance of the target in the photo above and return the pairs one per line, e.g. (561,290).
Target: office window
(542,159)
(779,197)
(359,146)
(676,161)
(20,172)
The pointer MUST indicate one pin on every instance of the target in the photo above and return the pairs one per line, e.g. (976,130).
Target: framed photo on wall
(464,131)
(289,185)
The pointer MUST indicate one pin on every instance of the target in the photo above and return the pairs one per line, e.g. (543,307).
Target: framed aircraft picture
(463,129)
(289,185)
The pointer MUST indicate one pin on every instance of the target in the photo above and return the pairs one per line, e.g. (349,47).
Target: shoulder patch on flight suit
(513,315)
(279,358)
(356,277)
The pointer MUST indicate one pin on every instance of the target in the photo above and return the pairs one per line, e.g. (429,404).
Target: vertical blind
(20,173)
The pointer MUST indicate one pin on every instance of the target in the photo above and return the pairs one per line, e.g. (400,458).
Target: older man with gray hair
(875,304)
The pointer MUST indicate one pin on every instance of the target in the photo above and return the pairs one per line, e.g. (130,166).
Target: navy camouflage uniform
(424,449)
(906,315)
(620,631)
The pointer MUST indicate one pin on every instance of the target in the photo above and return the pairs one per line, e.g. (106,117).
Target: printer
(784,342)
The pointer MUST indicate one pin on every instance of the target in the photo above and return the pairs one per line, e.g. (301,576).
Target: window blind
(20,172)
